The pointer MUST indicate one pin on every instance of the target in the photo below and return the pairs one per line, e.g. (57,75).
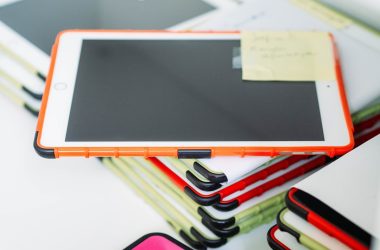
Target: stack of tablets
(332,216)
(210,201)
(234,211)
(208,218)
(162,187)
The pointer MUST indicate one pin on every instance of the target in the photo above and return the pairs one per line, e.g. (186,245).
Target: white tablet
(178,94)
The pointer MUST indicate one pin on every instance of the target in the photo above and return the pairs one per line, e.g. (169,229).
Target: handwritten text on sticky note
(287,56)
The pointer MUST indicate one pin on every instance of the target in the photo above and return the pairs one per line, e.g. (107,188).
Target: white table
(71,203)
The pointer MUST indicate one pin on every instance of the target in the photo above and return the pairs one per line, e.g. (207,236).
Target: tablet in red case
(327,219)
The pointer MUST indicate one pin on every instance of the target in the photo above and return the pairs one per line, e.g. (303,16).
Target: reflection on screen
(40,20)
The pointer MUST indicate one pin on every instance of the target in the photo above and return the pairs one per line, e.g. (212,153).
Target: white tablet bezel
(67,59)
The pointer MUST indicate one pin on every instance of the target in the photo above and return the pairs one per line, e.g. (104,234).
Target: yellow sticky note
(287,56)
(324,13)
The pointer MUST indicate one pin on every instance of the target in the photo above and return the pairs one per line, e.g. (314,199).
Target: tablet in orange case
(189,152)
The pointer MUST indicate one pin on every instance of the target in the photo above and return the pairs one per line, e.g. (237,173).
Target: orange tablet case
(190,152)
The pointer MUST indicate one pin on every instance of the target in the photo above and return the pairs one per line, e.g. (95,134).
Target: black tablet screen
(189,90)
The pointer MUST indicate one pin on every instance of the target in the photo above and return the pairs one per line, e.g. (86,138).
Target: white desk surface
(71,203)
